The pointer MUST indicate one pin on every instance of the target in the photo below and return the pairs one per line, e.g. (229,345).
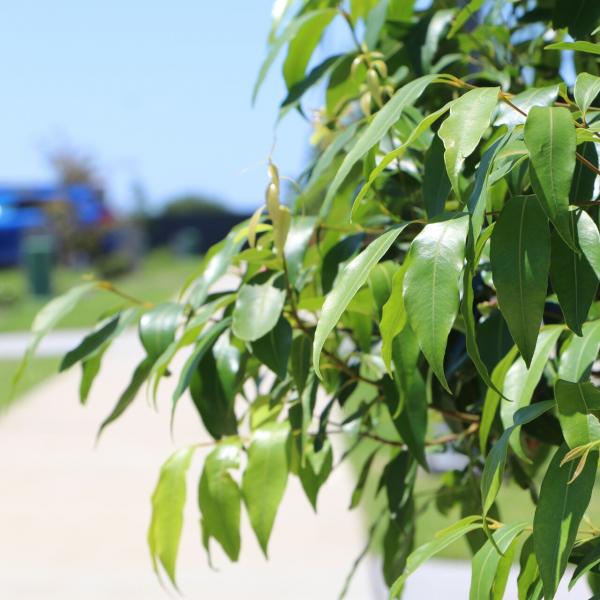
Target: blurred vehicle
(75,215)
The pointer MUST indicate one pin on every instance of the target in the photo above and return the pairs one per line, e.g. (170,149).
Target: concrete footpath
(73,518)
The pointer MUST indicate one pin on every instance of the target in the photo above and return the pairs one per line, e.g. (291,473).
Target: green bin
(38,258)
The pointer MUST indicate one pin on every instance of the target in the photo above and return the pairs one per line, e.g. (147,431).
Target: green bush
(438,269)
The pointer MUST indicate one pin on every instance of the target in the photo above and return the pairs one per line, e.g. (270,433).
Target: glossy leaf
(462,131)
(140,375)
(378,127)
(256,311)
(486,560)
(168,501)
(316,470)
(89,344)
(572,278)
(274,348)
(431,286)
(578,354)
(589,241)
(157,327)
(426,551)
(265,478)
(219,498)
(551,142)
(520,257)
(560,508)
(576,402)
(350,280)
(587,88)
(48,317)
(303,44)
(436,185)
(588,47)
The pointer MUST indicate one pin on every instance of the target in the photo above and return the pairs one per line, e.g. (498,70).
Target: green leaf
(315,471)
(296,244)
(492,397)
(475,108)
(345,249)
(203,345)
(300,360)
(426,551)
(215,265)
(520,381)
(520,257)
(303,44)
(274,348)
(464,14)
(256,311)
(48,317)
(587,88)
(486,561)
(359,488)
(128,396)
(572,279)
(393,316)
(551,141)
(411,417)
(168,501)
(467,309)
(508,116)
(588,562)
(350,280)
(493,469)
(431,286)
(287,35)
(89,344)
(575,403)
(398,153)
(157,327)
(213,396)
(265,478)
(560,509)
(378,127)
(219,498)
(588,47)
(529,573)
(582,185)
(589,240)
(436,185)
(578,354)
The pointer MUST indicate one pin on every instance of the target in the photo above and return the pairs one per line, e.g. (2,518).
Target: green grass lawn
(39,369)
(157,279)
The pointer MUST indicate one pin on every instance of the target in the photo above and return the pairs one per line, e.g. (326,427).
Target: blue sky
(159,92)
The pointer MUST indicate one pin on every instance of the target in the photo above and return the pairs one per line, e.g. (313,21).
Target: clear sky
(159,92)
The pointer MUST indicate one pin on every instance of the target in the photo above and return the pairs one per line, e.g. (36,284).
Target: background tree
(439,268)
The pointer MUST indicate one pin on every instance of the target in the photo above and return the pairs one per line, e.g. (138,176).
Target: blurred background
(129,138)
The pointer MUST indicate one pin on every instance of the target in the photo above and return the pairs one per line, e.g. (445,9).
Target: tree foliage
(433,287)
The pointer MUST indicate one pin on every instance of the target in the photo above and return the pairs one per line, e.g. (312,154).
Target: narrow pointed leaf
(486,560)
(520,257)
(219,498)
(560,508)
(462,131)
(265,478)
(579,353)
(587,88)
(350,280)
(378,127)
(168,501)
(431,286)
(551,141)
(589,241)
(256,311)
(575,403)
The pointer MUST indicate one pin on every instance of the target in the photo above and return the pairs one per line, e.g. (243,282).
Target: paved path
(73,518)
(56,343)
